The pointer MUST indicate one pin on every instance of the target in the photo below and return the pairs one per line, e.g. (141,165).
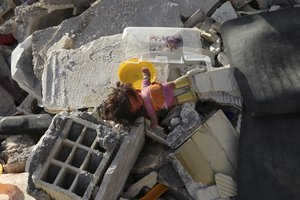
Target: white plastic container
(163,44)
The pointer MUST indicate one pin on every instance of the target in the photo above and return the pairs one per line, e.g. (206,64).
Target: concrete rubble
(59,60)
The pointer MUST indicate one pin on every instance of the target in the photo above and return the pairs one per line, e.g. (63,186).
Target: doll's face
(136,103)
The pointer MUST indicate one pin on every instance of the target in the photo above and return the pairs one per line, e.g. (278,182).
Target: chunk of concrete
(212,149)
(16,150)
(197,17)
(224,13)
(118,14)
(226,185)
(22,69)
(190,120)
(117,173)
(208,193)
(30,124)
(38,16)
(216,79)
(148,181)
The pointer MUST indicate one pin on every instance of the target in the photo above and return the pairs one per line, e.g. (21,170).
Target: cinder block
(75,162)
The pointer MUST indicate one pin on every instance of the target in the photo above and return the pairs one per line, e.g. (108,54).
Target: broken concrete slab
(16,150)
(117,14)
(213,148)
(224,13)
(83,77)
(117,173)
(216,79)
(226,185)
(18,183)
(69,148)
(22,69)
(30,124)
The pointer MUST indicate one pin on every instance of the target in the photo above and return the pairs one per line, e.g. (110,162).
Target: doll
(125,104)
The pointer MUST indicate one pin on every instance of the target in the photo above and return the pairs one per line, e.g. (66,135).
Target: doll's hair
(117,106)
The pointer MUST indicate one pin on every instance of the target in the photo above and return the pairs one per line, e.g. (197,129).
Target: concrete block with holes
(68,161)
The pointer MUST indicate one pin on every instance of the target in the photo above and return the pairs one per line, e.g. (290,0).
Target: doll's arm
(154,121)
(146,77)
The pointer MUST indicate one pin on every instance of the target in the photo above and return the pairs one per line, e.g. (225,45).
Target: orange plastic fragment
(155,192)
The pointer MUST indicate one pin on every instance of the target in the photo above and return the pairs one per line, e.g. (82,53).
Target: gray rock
(16,151)
(22,69)
(106,17)
(36,17)
(31,124)
(190,120)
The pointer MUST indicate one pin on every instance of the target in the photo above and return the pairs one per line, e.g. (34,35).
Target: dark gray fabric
(269,158)
(265,51)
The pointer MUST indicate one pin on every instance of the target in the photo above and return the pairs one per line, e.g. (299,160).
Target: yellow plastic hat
(130,71)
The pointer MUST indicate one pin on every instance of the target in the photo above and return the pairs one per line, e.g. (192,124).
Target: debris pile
(59,61)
